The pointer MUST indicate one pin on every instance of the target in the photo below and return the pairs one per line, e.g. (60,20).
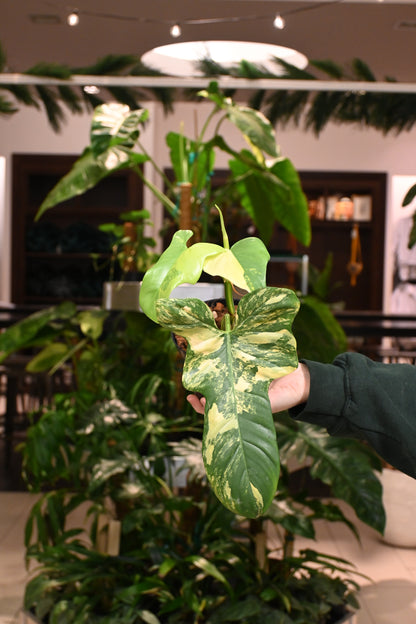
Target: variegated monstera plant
(231,365)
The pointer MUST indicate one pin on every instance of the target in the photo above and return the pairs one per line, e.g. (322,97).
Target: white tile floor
(389,598)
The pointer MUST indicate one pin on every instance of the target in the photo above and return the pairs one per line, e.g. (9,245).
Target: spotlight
(73,18)
(279,22)
(175,31)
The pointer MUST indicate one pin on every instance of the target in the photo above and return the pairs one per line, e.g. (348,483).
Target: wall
(337,148)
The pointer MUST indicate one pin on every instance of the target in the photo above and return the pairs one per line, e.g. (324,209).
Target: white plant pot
(121,295)
(202,290)
(399,499)
(125,295)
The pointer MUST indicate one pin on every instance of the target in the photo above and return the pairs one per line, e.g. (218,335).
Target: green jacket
(357,397)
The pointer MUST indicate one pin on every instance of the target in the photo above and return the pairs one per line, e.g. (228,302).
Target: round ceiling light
(181,59)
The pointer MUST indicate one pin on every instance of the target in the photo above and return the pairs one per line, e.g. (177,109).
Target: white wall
(338,148)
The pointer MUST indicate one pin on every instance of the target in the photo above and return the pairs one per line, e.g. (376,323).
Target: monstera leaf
(233,369)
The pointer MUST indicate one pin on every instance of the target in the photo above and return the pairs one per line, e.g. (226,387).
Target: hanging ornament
(355,265)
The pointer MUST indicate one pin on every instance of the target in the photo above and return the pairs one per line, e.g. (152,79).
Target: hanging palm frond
(328,67)
(6,107)
(109,65)
(385,112)
(52,107)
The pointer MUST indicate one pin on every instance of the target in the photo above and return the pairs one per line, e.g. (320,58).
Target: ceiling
(36,30)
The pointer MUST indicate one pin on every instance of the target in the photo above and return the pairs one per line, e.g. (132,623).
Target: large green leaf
(114,130)
(48,357)
(278,188)
(87,171)
(244,265)
(252,123)
(346,465)
(253,256)
(315,318)
(256,127)
(233,369)
(24,333)
(115,124)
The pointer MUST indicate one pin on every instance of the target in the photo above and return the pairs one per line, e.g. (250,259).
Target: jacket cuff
(327,392)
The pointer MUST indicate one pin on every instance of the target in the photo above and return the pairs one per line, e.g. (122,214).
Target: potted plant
(143,548)
(176,553)
(131,255)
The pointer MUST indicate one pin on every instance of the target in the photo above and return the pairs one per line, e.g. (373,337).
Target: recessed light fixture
(181,59)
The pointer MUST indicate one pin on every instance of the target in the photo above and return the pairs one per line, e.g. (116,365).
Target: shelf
(47,277)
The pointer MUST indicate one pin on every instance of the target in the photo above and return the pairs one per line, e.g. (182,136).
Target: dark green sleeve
(356,397)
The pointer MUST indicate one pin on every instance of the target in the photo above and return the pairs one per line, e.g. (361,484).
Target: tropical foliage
(266,184)
(104,457)
(385,112)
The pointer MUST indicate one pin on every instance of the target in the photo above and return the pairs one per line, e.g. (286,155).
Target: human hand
(284,393)
(290,390)
(198,403)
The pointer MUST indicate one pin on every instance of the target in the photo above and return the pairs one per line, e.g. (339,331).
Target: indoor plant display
(266,183)
(179,555)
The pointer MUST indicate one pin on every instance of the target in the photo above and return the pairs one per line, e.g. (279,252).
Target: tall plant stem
(228,287)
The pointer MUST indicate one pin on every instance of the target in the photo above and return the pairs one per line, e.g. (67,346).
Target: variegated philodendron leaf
(233,370)
(244,265)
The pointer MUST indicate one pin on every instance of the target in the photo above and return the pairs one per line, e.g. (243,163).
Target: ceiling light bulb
(279,22)
(73,18)
(175,31)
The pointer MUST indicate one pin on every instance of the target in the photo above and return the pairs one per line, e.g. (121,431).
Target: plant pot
(399,499)
(201,290)
(121,295)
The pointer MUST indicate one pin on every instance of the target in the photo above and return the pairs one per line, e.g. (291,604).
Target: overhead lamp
(279,22)
(175,31)
(73,18)
(183,59)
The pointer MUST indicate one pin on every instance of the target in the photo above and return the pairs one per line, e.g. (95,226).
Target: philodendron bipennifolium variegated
(231,366)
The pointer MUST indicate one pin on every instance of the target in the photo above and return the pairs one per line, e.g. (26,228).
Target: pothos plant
(231,365)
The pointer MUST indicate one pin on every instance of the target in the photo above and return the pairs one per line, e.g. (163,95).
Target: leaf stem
(229,300)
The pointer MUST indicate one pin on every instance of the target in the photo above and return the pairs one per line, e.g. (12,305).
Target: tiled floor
(389,598)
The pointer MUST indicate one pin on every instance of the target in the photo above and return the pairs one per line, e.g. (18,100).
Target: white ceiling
(339,31)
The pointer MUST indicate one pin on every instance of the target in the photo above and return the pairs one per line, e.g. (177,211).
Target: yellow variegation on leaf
(233,369)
